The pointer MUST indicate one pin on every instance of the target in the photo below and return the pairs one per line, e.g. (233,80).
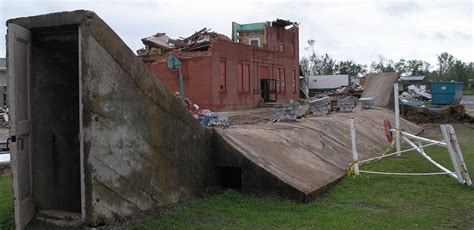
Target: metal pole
(409,135)
(355,158)
(422,153)
(397,118)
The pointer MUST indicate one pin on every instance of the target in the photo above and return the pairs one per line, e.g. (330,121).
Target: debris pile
(320,107)
(366,102)
(346,104)
(160,43)
(287,111)
(209,118)
(414,97)
(192,108)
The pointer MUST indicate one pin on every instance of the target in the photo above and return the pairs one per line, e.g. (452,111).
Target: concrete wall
(144,150)
(140,149)
(255,180)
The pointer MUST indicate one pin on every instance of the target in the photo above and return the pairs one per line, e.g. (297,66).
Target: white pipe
(409,135)
(423,154)
(391,154)
(397,117)
(355,157)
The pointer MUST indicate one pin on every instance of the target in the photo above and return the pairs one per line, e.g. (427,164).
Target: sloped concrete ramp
(380,87)
(305,156)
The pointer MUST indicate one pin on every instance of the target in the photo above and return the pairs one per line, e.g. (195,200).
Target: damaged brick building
(258,65)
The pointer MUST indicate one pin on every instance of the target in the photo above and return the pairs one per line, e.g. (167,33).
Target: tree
(326,65)
(350,68)
(315,64)
(415,67)
(445,63)
(383,65)
(401,67)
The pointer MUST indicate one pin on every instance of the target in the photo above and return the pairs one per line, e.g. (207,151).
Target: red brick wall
(203,79)
(263,64)
(197,78)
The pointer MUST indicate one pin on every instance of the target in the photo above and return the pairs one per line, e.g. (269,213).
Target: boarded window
(243,77)
(282,80)
(278,78)
(246,78)
(293,81)
(222,76)
(240,77)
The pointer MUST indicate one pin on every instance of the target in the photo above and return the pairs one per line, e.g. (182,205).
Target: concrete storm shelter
(95,135)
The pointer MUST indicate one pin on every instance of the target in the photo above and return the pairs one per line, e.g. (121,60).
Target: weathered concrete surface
(380,87)
(304,157)
(140,149)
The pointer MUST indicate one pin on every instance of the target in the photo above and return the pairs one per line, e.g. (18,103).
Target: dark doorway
(268,89)
(229,177)
(55,114)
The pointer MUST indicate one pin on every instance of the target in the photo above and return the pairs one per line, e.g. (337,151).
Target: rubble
(286,111)
(345,104)
(160,43)
(320,107)
(366,102)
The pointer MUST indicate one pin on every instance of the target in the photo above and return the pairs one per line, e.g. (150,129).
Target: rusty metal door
(19,65)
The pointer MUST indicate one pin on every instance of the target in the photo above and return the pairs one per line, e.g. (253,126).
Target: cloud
(358,30)
(398,8)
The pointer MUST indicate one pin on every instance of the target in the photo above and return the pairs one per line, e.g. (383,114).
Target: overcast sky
(346,30)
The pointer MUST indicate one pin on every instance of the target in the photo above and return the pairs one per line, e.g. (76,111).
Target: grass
(367,202)
(468,91)
(6,202)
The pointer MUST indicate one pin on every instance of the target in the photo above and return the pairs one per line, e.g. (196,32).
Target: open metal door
(19,65)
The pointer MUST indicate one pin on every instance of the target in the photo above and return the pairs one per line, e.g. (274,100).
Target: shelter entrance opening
(44,86)
(229,177)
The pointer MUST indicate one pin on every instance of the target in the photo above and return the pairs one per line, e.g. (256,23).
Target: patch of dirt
(5,170)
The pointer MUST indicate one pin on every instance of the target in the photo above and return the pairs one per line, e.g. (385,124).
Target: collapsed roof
(199,41)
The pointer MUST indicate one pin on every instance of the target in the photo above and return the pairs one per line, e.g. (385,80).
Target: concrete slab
(308,155)
(380,87)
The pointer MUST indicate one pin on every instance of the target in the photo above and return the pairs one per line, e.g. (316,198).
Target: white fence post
(397,117)
(355,157)
(460,158)
(452,154)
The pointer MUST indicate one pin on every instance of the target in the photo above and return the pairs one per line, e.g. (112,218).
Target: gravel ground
(468,101)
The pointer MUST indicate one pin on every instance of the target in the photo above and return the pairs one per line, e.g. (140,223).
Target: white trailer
(326,82)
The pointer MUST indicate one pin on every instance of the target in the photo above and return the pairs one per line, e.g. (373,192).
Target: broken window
(255,42)
(222,76)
